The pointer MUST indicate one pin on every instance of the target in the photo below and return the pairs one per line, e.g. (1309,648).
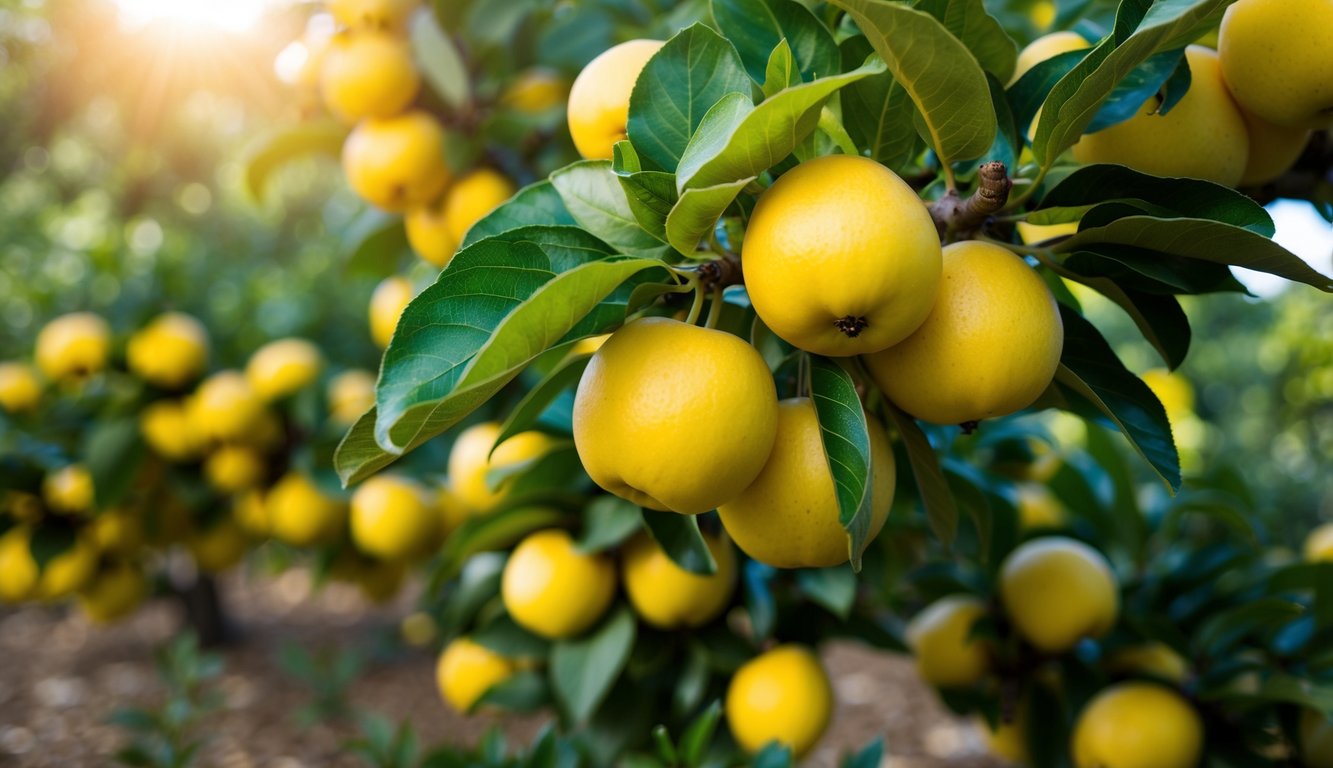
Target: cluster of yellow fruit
(1250,107)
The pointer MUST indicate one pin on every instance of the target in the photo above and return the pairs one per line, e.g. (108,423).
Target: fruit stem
(952,214)
(715,308)
(1030,189)
(697,307)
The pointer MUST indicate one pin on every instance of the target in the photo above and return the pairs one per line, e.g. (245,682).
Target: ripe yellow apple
(475,455)
(234,468)
(69,571)
(301,514)
(19,388)
(1202,137)
(350,394)
(670,597)
(599,99)
(1319,544)
(535,90)
(989,347)
(225,407)
(435,232)
(1273,149)
(389,15)
(947,656)
(1058,591)
(72,346)
(18,569)
(396,163)
(788,517)
(117,532)
(368,74)
(781,695)
(466,670)
(1138,725)
(114,593)
(68,490)
(170,352)
(841,257)
(1047,47)
(387,303)
(1038,507)
(673,416)
(551,588)
(282,367)
(393,518)
(1277,57)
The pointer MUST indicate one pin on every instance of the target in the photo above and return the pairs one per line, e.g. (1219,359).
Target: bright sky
(1303,232)
(228,15)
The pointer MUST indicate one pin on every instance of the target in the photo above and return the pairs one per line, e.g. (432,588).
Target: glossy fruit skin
(599,98)
(389,15)
(535,90)
(788,517)
(283,367)
(1316,735)
(18,569)
(552,589)
(393,518)
(1201,137)
(234,468)
(841,240)
(1273,149)
(474,455)
(1319,544)
(387,303)
(435,232)
(1058,591)
(114,593)
(947,656)
(783,695)
(466,670)
(300,514)
(1277,57)
(68,490)
(19,388)
(1047,47)
(669,597)
(990,346)
(368,74)
(225,407)
(350,394)
(219,546)
(170,352)
(1137,725)
(396,163)
(72,346)
(675,417)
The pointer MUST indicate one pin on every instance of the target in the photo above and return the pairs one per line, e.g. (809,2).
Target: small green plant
(328,673)
(165,736)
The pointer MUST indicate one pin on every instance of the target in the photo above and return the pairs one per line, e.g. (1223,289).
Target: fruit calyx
(851,326)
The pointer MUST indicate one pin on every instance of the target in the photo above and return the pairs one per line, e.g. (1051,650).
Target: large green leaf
(112,450)
(592,193)
(1159,317)
(323,137)
(608,521)
(846,439)
(535,205)
(583,670)
(492,532)
(941,509)
(756,27)
(651,194)
(968,20)
(877,111)
(695,69)
(695,214)
(939,73)
(679,537)
(527,413)
(1141,84)
(439,60)
(377,243)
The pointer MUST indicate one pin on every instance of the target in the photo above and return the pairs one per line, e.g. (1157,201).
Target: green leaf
(582,670)
(377,244)
(699,734)
(1159,317)
(651,194)
(112,451)
(941,76)
(1223,630)
(757,26)
(608,521)
(535,205)
(526,415)
(1091,369)
(941,509)
(493,532)
(695,215)
(737,140)
(967,20)
(49,540)
(871,756)
(691,681)
(774,755)
(832,588)
(846,440)
(877,111)
(507,638)
(1141,84)
(324,137)
(1204,240)
(781,73)
(1075,100)
(439,61)
(592,193)
(680,83)
(679,537)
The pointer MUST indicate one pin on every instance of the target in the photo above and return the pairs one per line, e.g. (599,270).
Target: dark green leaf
(582,670)
(1142,84)
(1159,318)
(756,27)
(112,451)
(1223,630)
(877,111)
(679,537)
(773,755)
(699,734)
(941,510)
(871,756)
(608,521)
(535,205)
(757,579)
(846,439)
(528,412)
(651,194)
(968,21)
(504,636)
(592,193)
(832,588)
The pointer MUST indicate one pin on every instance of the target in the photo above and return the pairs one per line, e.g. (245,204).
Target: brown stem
(719,273)
(954,215)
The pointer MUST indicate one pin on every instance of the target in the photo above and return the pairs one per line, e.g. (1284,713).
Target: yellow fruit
(670,597)
(589,345)
(167,428)
(1273,149)
(350,394)
(282,367)
(599,99)
(782,695)
(19,388)
(551,588)
(1202,137)
(428,233)
(250,511)
(68,572)
(1174,391)
(1319,544)
(841,257)
(1047,47)
(68,490)
(466,670)
(941,640)
(393,518)
(672,416)
(117,532)
(170,352)
(219,546)
(788,517)
(435,232)
(535,90)
(225,407)
(368,74)
(302,515)
(1038,507)
(1155,659)
(396,163)
(471,460)
(1138,725)
(1042,13)
(989,348)
(114,593)
(18,569)
(1316,733)
(372,14)
(234,468)
(387,303)
(1058,591)
(1009,740)
(73,345)
(1038,233)
(1277,56)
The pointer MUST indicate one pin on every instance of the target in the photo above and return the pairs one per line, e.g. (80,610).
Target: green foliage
(168,735)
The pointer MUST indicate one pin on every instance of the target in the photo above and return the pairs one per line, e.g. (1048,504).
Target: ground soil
(61,677)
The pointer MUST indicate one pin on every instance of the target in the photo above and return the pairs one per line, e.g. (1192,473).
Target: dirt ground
(61,677)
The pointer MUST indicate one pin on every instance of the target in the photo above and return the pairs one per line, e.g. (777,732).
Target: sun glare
(228,15)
